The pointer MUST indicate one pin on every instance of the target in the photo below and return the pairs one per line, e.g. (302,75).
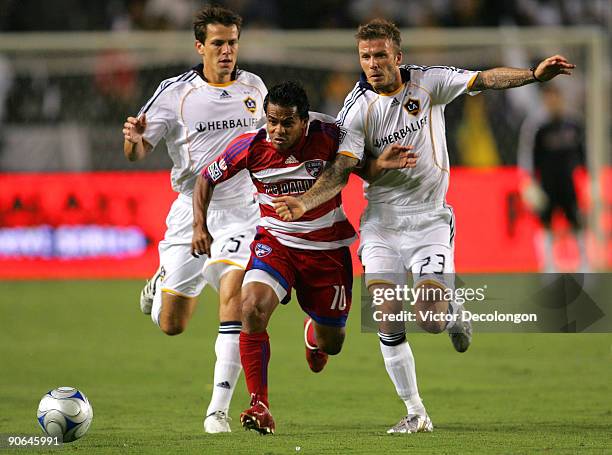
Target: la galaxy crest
(262,250)
(413,106)
(250,104)
(314,167)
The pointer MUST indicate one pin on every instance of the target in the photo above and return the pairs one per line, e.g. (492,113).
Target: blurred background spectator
(551,150)
(38,93)
(288,14)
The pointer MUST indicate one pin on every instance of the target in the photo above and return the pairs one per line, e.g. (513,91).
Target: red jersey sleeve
(233,159)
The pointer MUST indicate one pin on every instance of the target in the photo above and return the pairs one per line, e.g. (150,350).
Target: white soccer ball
(65,413)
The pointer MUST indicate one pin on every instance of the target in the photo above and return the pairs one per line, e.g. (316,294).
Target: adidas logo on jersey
(224,94)
(395,102)
(224,385)
(291,160)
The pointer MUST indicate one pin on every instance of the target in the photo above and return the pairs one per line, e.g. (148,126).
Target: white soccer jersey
(413,115)
(198,120)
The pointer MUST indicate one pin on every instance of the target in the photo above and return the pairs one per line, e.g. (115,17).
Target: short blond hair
(379,29)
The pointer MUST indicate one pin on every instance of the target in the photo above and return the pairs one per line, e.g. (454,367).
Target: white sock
(227,366)
(399,363)
(157,304)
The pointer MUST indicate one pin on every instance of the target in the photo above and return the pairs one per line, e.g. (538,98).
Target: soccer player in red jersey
(311,255)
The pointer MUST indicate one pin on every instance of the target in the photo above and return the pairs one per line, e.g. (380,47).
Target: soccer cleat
(412,424)
(258,417)
(314,356)
(148,292)
(461,335)
(217,422)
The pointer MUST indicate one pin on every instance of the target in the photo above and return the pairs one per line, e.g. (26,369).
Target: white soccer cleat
(412,424)
(148,292)
(461,335)
(217,422)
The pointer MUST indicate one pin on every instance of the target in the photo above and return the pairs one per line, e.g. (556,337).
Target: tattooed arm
(334,178)
(503,78)
(331,182)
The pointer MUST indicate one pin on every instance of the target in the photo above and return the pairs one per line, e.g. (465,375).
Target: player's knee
(175,313)
(172,328)
(253,315)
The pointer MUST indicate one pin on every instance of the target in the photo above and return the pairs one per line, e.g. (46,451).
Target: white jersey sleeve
(160,110)
(261,86)
(445,83)
(351,121)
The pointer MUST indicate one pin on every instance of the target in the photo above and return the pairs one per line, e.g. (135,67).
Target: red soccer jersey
(289,173)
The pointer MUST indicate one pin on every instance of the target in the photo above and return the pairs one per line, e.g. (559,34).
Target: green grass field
(510,393)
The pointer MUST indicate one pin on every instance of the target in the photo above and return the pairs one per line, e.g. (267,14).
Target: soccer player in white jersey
(407,226)
(198,113)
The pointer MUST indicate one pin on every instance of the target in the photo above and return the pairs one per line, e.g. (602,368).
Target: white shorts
(232,228)
(395,240)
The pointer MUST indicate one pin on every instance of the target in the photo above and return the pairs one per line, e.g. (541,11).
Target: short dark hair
(214,14)
(289,94)
(379,29)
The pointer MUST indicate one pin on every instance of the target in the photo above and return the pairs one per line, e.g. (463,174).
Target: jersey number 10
(339,298)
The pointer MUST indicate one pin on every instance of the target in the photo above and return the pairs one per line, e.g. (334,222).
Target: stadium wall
(108,224)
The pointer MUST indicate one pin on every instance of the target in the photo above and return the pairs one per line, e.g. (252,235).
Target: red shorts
(323,279)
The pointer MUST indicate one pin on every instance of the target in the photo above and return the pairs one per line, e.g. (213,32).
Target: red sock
(255,355)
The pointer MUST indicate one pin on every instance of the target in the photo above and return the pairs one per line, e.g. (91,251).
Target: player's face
(219,52)
(285,127)
(379,59)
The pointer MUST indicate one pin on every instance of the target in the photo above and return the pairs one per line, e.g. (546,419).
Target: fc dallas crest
(314,167)
(262,250)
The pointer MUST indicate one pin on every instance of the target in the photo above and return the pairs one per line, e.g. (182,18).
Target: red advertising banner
(108,224)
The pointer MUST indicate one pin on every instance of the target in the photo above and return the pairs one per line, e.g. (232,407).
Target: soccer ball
(65,413)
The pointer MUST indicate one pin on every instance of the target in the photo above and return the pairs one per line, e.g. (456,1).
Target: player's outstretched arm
(503,78)
(201,239)
(331,182)
(394,156)
(134,146)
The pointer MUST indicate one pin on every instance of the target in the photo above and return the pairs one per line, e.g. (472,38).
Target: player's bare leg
(227,350)
(330,339)
(321,341)
(176,311)
(431,308)
(259,301)
(400,365)
(432,303)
